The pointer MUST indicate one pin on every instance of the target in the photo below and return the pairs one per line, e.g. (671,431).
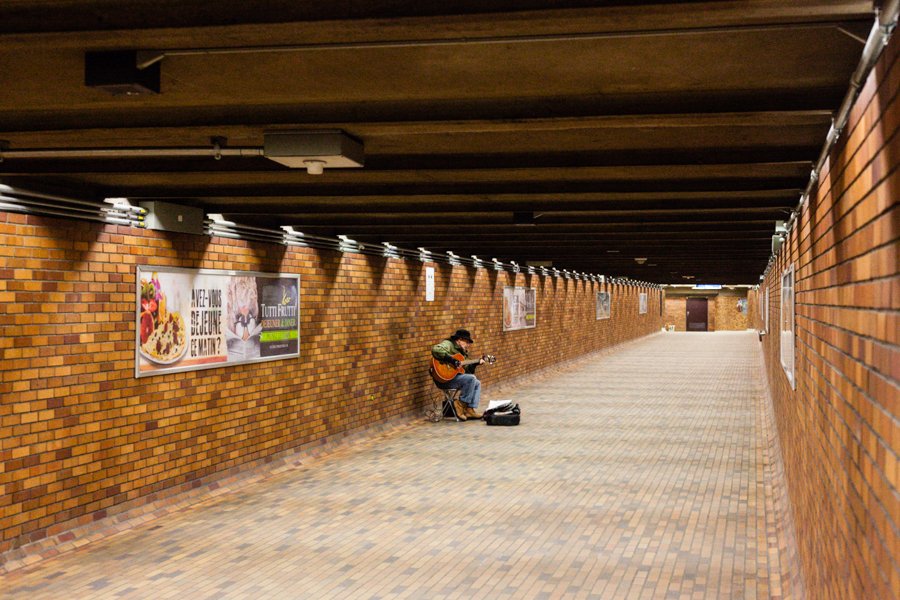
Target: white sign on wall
(519,308)
(429,284)
(603,305)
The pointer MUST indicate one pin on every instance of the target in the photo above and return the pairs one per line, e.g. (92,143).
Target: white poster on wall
(603,305)
(642,303)
(429,284)
(519,308)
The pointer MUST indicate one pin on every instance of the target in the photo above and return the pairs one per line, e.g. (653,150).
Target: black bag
(508,414)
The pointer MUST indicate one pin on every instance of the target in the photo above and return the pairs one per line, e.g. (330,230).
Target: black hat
(462,334)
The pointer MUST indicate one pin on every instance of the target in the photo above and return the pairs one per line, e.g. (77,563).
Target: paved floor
(637,474)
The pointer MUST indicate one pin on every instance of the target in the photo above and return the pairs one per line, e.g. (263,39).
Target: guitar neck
(469,362)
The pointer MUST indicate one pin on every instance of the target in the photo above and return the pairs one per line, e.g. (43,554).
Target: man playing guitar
(447,352)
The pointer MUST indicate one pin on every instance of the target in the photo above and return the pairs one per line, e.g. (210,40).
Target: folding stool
(447,409)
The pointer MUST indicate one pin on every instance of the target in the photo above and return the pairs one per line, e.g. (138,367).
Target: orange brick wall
(840,428)
(722,312)
(728,316)
(676,313)
(82,438)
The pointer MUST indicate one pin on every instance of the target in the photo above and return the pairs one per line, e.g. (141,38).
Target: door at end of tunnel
(697,313)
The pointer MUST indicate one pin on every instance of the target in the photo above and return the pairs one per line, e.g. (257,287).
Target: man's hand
(456,362)
(481,362)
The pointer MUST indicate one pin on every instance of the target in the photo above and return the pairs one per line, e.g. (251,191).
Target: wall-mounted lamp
(349,245)
(390,250)
(292,237)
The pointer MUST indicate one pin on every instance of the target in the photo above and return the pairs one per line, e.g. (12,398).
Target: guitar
(443,373)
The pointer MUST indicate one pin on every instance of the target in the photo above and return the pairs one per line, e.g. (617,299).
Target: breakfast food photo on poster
(194,319)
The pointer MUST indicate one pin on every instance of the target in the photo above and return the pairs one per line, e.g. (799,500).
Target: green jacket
(446,349)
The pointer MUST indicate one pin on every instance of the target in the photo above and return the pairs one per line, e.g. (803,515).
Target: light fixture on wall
(120,212)
(292,237)
(348,245)
(390,250)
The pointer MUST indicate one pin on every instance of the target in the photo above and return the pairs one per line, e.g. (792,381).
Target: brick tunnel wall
(840,428)
(83,439)
(723,312)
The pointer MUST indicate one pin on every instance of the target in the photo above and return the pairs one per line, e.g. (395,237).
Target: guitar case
(506,415)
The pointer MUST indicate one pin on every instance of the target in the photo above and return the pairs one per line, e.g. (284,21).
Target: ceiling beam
(63,23)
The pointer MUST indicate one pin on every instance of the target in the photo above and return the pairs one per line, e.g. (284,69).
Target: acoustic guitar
(443,373)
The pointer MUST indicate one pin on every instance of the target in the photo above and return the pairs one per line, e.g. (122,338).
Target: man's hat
(462,334)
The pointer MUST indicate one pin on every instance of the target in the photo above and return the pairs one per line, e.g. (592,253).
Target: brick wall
(722,312)
(82,438)
(676,313)
(728,315)
(840,428)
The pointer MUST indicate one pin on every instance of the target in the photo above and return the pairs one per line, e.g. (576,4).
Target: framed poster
(787,325)
(642,303)
(603,305)
(429,284)
(189,319)
(519,308)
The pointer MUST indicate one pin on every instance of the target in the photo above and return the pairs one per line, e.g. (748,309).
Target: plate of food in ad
(163,334)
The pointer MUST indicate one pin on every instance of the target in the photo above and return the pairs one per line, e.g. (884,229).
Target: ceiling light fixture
(313,150)
(117,73)
(314,167)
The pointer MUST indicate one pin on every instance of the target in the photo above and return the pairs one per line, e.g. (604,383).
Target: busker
(467,383)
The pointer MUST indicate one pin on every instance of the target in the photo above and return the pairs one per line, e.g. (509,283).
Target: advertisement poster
(519,308)
(191,319)
(603,306)
(642,303)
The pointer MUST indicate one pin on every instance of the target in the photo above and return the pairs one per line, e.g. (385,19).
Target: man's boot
(460,409)
(471,413)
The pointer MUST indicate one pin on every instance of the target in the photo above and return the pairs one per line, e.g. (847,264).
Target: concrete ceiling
(679,132)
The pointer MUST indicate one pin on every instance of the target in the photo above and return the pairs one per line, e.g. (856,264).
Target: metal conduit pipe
(884,26)
(132,152)
(9,189)
(146,58)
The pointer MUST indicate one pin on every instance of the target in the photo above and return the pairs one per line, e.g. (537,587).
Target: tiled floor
(638,474)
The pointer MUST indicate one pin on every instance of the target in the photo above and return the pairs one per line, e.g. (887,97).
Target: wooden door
(697,312)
